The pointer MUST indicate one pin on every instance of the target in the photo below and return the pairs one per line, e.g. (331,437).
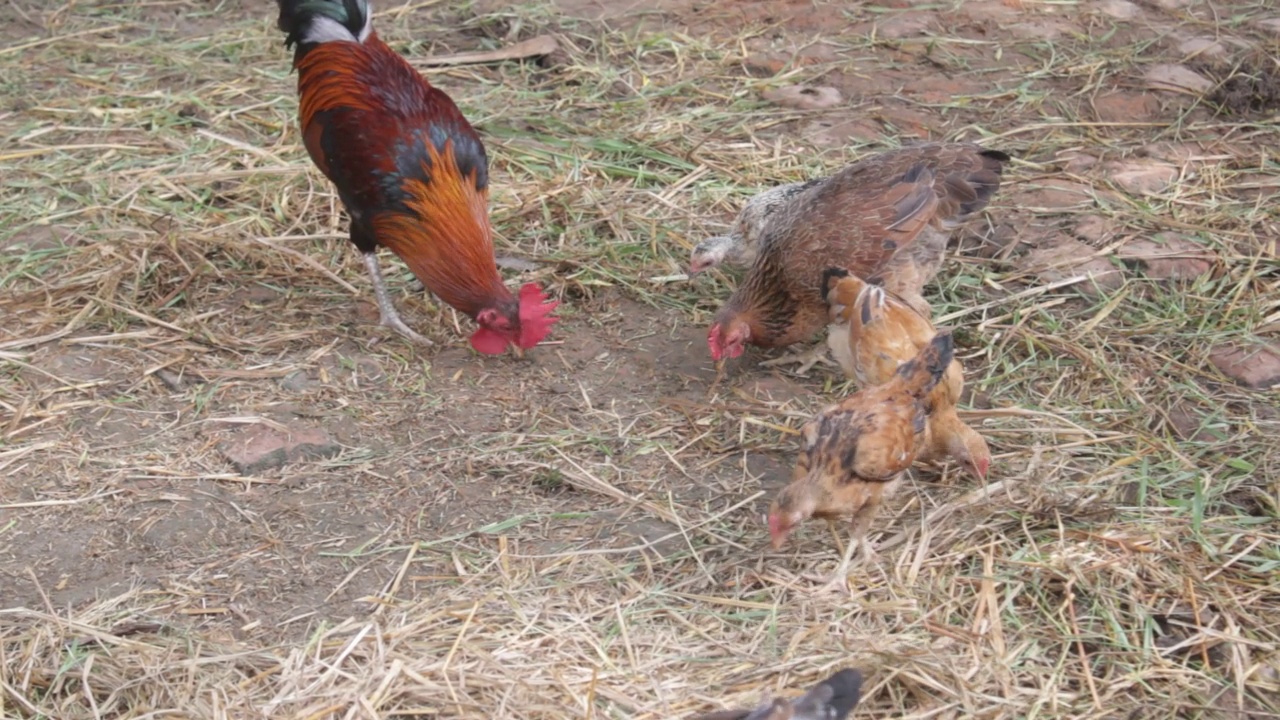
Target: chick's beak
(777,533)
(982,466)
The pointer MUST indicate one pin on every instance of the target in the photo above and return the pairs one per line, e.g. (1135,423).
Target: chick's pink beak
(777,533)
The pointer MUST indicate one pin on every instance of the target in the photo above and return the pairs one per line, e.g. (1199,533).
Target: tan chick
(854,453)
(871,333)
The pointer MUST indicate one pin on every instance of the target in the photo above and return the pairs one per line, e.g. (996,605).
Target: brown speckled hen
(888,215)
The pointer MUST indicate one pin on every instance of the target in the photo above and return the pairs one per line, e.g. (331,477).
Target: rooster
(410,170)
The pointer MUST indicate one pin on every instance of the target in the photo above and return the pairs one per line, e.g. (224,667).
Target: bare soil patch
(578,533)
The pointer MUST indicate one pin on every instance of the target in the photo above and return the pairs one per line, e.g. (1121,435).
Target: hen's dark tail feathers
(307,22)
(923,372)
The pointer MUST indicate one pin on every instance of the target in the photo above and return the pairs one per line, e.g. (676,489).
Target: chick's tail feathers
(922,373)
(309,22)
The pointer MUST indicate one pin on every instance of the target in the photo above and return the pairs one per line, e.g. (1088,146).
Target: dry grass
(162,224)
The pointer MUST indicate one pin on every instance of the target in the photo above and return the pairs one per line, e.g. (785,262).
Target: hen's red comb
(535,315)
(715,342)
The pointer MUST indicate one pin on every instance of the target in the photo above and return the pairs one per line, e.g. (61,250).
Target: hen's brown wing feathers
(885,215)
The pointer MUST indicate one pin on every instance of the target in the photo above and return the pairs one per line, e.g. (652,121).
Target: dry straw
(582,539)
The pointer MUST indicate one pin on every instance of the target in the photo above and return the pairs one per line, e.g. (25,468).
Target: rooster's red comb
(535,315)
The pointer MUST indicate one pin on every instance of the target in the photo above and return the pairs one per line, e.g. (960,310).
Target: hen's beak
(519,351)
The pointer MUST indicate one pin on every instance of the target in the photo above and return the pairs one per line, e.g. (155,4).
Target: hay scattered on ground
(578,535)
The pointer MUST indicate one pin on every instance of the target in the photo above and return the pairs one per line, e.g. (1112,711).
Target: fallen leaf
(1094,229)
(1143,177)
(1255,366)
(802,97)
(1177,78)
(1120,9)
(1063,257)
(1168,256)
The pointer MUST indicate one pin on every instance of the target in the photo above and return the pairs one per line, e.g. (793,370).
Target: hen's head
(522,324)
(967,447)
(710,253)
(728,338)
(791,507)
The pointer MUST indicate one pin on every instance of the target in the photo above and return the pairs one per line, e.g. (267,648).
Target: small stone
(1143,178)
(263,448)
(1064,257)
(802,97)
(1094,229)
(1176,78)
(840,133)
(992,11)
(1125,106)
(904,25)
(764,65)
(299,381)
(1119,9)
(1078,162)
(1168,256)
(1187,424)
(1042,29)
(1202,47)
(1270,25)
(41,237)
(1255,366)
(1056,195)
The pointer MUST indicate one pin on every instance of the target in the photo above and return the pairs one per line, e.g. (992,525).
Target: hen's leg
(387,310)
(839,580)
(806,360)
(861,525)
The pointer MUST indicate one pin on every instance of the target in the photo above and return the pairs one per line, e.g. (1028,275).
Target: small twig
(533,47)
(1029,292)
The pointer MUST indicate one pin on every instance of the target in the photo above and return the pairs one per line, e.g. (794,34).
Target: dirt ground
(175,284)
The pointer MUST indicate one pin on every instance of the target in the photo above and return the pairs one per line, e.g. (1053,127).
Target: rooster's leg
(806,360)
(386,310)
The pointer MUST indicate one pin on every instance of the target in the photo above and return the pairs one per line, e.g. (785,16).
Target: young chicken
(740,245)
(831,699)
(853,454)
(897,206)
(410,170)
(871,333)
